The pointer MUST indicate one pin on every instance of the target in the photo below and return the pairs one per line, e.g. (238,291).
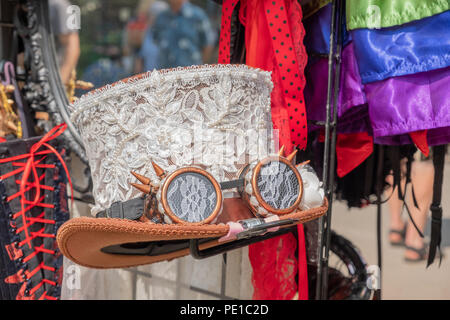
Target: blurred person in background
(135,30)
(112,66)
(119,45)
(148,55)
(184,35)
(403,233)
(67,39)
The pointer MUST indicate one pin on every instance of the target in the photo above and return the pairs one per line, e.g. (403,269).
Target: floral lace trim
(184,74)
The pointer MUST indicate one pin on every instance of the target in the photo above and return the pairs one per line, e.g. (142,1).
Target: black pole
(379,190)
(332,164)
(323,235)
(377,294)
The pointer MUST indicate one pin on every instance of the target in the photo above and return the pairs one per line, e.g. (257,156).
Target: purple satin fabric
(435,137)
(351,90)
(409,103)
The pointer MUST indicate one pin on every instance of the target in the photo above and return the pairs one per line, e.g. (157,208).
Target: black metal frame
(330,126)
(206,253)
(379,191)
(43,89)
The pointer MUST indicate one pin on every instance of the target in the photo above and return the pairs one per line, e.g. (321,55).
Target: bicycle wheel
(347,274)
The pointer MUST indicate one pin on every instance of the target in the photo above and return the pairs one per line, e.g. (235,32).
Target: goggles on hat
(191,195)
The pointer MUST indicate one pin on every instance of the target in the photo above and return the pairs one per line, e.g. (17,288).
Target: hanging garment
(287,60)
(273,38)
(396,106)
(354,144)
(391,110)
(387,13)
(416,102)
(404,73)
(426,125)
(434,137)
(358,188)
(418,46)
(351,94)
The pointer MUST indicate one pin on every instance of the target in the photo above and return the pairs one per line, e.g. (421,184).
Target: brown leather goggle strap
(133,209)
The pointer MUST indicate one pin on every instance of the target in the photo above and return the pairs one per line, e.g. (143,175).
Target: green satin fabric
(375,14)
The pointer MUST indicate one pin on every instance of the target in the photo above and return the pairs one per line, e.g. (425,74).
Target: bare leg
(395,208)
(422,176)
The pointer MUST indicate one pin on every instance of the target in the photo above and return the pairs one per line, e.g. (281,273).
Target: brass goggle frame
(247,185)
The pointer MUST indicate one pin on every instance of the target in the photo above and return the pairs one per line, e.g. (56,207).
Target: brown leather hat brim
(82,239)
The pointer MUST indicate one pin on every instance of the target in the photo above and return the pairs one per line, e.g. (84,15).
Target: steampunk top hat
(213,118)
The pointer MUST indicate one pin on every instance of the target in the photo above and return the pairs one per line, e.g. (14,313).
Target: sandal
(402,234)
(422,253)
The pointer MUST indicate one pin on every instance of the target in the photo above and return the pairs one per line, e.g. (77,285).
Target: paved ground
(400,280)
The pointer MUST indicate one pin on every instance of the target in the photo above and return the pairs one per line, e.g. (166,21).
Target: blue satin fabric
(317,31)
(414,47)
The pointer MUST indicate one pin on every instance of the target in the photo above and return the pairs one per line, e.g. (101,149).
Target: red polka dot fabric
(284,37)
(225,31)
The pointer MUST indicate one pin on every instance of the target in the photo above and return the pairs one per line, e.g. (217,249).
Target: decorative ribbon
(225,30)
